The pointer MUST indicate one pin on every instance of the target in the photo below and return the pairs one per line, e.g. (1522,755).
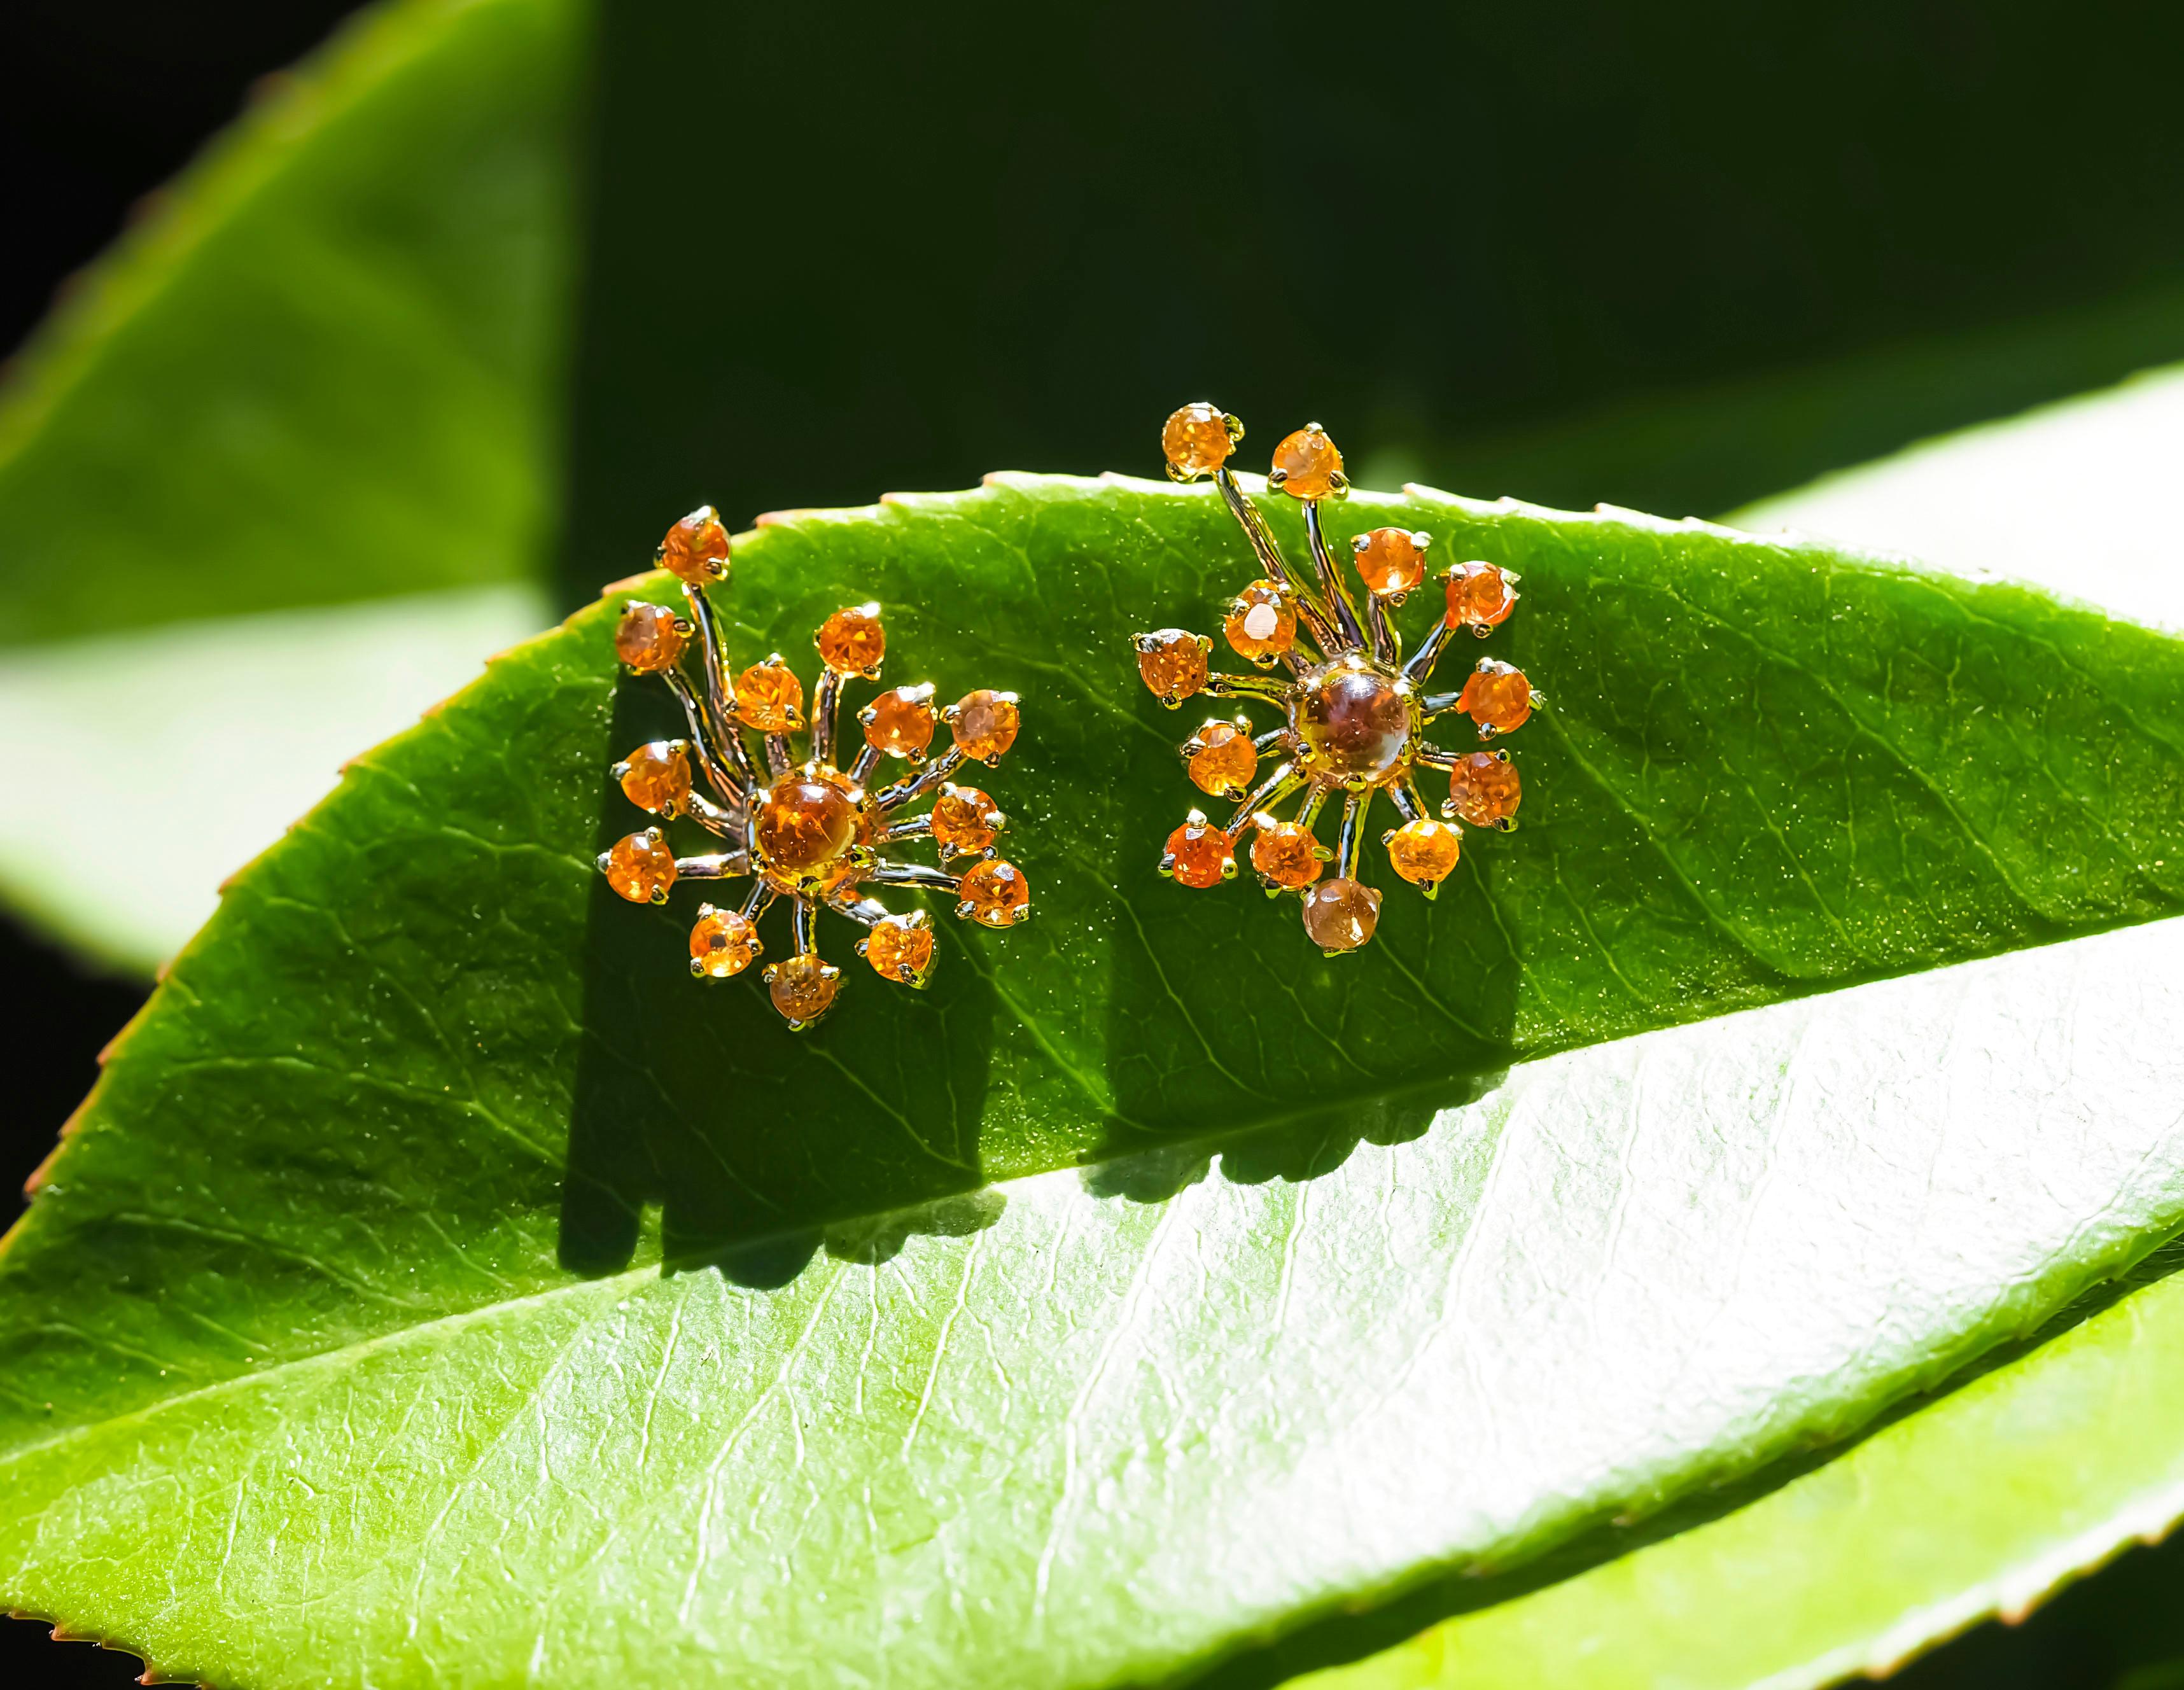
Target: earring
(805,830)
(1354,710)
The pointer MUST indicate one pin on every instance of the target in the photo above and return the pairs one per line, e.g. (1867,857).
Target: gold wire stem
(1310,611)
(727,822)
(760,901)
(917,827)
(1314,801)
(720,702)
(1405,797)
(805,918)
(720,866)
(1273,790)
(1266,688)
(1331,578)
(930,775)
(1438,703)
(1349,841)
(868,759)
(1387,640)
(825,705)
(1266,740)
(710,758)
(913,874)
(780,755)
(1419,669)
(1436,757)
(868,912)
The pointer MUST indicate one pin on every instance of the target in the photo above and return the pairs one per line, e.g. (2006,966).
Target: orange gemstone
(1286,854)
(852,642)
(1262,623)
(1391,560)
(964,820)
(1479,596)
(648,639)
(984,724)
(993,894)
(1482,788)
(1225,761)
(900,949)
(1341,916)
(803,988)
(770,697)
(804,827)
(1172,664)
(696,548)
(1196,439)
(1198,854)
(723,942)
(1497,697)
(1423,852)
(641,867)
(900,720)
(656,776)
(1307,464)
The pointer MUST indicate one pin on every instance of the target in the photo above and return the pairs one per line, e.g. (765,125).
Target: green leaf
(326,364)
(333,1348)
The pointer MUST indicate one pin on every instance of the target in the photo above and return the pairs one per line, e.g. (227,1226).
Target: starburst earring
(1354,711)
(805,830)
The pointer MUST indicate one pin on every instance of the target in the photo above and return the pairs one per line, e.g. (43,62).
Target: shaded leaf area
(326,364)
(1767,770)
(1092,1441)
(325,1204)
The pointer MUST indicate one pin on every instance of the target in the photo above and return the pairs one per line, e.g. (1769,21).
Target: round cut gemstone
(993,894)
(1196,439)
(656,776)
(1198,853)
(1340,915)
(852,642)
(1497,697)
(901,721)
(1422,852)
(1286,854)
(1172,663)
(802,989)
(770,697)
(1262,623)
(1392,561)
(984,724)
(1355,723)
(648,638)
(723,942)
(696,548)
(804,828)
(1482,788)
(964,821)
(1307,464)
(1479,596)
(641,867)
(900,949)
(1225,761)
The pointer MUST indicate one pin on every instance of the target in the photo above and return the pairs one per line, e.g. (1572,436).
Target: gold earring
(1354,710)
(806,828)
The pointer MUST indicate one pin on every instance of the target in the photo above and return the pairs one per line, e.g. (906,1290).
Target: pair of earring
(817,832)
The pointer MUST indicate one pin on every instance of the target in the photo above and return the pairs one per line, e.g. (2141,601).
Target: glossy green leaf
(333,1348)
(326,365)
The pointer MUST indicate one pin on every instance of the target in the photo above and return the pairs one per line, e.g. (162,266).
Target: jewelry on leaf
(1354,711)
(804,830)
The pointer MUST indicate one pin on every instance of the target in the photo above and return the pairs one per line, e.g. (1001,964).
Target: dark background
(1667,256)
